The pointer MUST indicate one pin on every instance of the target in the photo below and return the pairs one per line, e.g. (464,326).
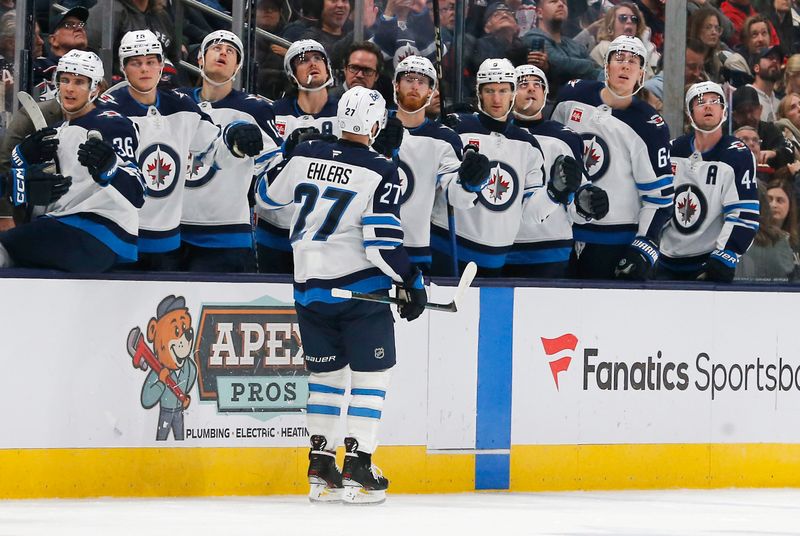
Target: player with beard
(716,212)
(626,151)
(216,233)
(429,159)
(307,66)
(542,249)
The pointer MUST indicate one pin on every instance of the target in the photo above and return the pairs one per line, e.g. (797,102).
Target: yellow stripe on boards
(193,472)
(617,467)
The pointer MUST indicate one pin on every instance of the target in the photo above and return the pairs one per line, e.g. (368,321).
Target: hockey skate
(323,475)
(363,482)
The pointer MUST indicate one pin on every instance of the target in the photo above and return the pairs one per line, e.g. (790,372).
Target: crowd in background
(749,46)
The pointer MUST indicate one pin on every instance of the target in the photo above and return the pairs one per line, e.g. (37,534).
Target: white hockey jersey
(216,210)
(515,191)
(716,202)
(346,229)
(429,159)
(626,152)
(272,229)
(169,130)
(109,213)
(550,240)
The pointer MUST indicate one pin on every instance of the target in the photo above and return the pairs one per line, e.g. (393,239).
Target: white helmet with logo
(139,43)
(496,70)
(698,90)
(523,72)
(359,110)
(634,45)
(419,65)
(298,49)
(84,63)
(221,36)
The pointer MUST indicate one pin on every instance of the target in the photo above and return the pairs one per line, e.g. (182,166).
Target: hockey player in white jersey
(429,159)
(626,152)
(307,66)
(90,219)
(346,232)
(516,188)
(716,196)
(171,126)
(216,231)
(542,249)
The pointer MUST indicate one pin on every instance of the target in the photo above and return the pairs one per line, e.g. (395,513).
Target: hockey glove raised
(638,261)
(591,202)
(99,158)
(39,147)
(39,187)
(474,170)
(565,177)
(243,139)
(413,292)
(297,136)
(721,266)
(391,136)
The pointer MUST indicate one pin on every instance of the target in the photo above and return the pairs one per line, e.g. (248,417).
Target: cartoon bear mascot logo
(173,372)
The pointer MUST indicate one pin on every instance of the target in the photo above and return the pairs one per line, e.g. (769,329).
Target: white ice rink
(684,512)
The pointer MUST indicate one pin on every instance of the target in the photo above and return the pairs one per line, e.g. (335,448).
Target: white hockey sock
(5,259)
(325,396)
(368,390)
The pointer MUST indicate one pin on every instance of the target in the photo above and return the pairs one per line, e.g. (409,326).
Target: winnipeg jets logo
(573,82)
(596,157)
(739,146)
(690,208)
(198,173)
(502,189)
(406,180)
(160,166)
(657,120)
(109,113)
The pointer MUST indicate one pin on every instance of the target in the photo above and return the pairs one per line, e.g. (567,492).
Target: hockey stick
(451,214)
(29,105)
(452,307)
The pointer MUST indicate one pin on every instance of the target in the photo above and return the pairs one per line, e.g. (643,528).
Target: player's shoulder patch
(109,113)
(107,99)
(738,145)
(656,120)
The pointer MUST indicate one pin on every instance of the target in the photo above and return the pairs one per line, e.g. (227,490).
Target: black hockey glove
(474,170)
(638,261)
(297,136)
(39,147)
(40,187)
(721,266)
(243,139)
(591,202)
(390,138)
(413,292)
(99,158)
(565,177)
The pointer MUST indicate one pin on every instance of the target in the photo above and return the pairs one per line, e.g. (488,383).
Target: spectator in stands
(766,66)
(782,199)
(704,26)
(726,28)
(773,150)
(696,53)
(755,35)
(447,18)
(131,15)
(67,32)
(791,77)
(271,81)
(405,28)
(332,25)
(308,18)
(779,14)
(789,125)
(500,38)
(6,6)
(623,19)
(770,258)
(737,12)
(562,58)
(653,92)
(653,12)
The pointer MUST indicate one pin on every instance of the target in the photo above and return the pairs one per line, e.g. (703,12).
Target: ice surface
(684,512)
